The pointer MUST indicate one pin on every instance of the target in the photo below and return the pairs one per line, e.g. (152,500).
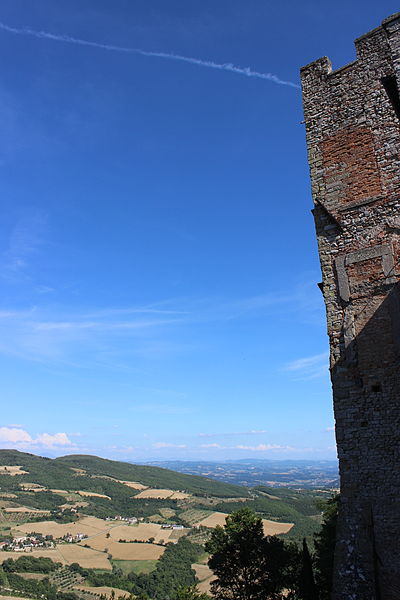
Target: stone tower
(352,118)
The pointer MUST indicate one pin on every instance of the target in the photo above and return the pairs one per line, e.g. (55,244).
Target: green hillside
(81,473)
(59,473)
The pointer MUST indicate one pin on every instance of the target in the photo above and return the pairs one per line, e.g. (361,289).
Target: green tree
(325,548)
(248,565)
(190,593)
(307,590)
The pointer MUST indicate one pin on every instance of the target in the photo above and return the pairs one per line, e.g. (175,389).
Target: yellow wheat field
(270,527)
(26,509)
(126,551)
(133,484)
(78,471)
(84,494)
(141,532)
(57,530)
(31,487)
(102,590)
(216,518)
(12,470)
(96,523)
(86,557)
(162,494)
(275,528)
(205,577)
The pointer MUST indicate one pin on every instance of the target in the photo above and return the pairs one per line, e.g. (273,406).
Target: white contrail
(194,61)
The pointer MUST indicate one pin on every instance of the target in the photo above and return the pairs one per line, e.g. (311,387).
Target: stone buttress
(352,118)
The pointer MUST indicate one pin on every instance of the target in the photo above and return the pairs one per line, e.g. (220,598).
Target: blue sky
(158,263)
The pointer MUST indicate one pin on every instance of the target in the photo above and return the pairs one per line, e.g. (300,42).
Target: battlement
(366,46)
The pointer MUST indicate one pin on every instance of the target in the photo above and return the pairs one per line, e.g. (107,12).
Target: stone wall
(352,118)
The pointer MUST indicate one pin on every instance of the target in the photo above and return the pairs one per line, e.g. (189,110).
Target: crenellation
(352,118)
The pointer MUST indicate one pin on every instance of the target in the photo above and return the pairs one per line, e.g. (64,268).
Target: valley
(116,521)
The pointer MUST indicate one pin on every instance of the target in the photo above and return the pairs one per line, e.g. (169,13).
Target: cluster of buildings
(129,520)
(71,539)
(26,543)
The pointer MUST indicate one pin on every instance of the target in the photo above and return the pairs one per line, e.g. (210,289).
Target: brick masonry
(352,118)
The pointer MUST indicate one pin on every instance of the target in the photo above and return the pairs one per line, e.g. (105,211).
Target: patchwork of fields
(104,514)
(270,527)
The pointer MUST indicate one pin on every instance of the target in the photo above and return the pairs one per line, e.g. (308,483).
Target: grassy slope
(277,504)
(57,473)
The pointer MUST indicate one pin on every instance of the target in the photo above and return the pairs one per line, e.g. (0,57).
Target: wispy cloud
(168,445)
(210,446)
(246,71)
(309,367)
(60,335)
(119,337)
(25,240)
(263,447)
(233,433)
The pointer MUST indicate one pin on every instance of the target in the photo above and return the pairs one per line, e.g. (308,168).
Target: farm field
(12,470)
(25,509)
(141,532)
(86,557)
(270,527)
(137,566)
(162,494)
(124,551)
(133,484)
(193,516)
(67,554)
(103,590)
(275,528)
(92,494)
(57,530)
(205,577)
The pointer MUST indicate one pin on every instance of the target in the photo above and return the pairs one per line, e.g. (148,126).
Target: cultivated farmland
(57,530)
(93,494)
(134,485)
(86,557)
(205,577)
(162,494)
(12,470)
(102,591)
(270,527)
(126,551)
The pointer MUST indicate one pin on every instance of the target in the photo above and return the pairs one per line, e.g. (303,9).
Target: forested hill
(82,472)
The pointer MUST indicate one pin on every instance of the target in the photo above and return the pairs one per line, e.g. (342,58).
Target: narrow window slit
(390,85)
